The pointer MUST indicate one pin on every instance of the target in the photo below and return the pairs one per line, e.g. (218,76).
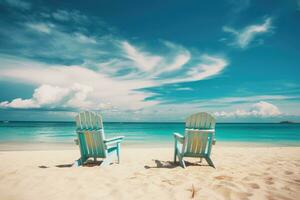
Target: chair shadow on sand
(171,164)
(158,164)
(89,163)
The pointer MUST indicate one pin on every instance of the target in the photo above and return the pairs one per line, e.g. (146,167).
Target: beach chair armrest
(114,140)
(178,137)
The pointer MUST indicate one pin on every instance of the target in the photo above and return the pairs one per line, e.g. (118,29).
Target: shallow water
(150,133)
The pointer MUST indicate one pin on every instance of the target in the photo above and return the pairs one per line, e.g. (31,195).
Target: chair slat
(94,143)
(98,143)
(82,144)
(78,122)
(193,142)
(88,142)
(82,120)
(204,142)
(94,122)
(199,145)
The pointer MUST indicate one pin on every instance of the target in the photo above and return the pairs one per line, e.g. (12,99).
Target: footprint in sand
(269,181)
(254,185)
(170,182)
(288,172)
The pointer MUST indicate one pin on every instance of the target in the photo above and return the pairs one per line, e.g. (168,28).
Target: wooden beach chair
(92,142)
(197,140)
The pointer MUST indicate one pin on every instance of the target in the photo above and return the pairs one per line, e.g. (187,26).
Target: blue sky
(150,60)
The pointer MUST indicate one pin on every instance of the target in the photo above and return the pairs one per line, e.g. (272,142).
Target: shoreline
(36,146)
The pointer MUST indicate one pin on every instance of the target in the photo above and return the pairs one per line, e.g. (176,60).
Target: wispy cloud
(84,69)
(96,88)
(40,27)
(74,15)
(112,90)
(155,67)
(19,4)
(184,89)
(209,67)
(239,5)
(143,61)
(249,99)
(245,36)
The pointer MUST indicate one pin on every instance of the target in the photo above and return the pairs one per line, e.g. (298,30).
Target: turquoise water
(149,133)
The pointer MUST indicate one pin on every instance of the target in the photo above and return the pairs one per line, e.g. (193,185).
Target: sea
(150,133)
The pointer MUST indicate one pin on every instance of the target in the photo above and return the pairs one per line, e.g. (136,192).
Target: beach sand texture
(148,173)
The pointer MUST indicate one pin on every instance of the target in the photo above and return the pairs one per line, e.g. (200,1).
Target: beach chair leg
(118,153)
(181,161)
(175,150)
(79,162)
(210,162)
(175,154)
(105,162)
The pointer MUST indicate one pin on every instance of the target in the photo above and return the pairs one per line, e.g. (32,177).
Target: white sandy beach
(148,173)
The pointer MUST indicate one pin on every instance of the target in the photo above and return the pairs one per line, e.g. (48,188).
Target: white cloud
(97,71)
(85,39)
(156,66)
(210,66)
(180,60)
(59,45)
(106,90)
(40,27)
(245,36)
(64,15)
(248,99)
(48,96)
(61,15)
(144,61)
(19,103)
(263,108)
(79,98)
(98,88)
(107,54)
(184,89)
(260,109)
(20,4)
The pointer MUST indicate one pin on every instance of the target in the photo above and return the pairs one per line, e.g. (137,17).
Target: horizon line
(175,122)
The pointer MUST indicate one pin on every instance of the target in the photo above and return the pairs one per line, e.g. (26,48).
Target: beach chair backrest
(198,142)
(90,132)
(201,120)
